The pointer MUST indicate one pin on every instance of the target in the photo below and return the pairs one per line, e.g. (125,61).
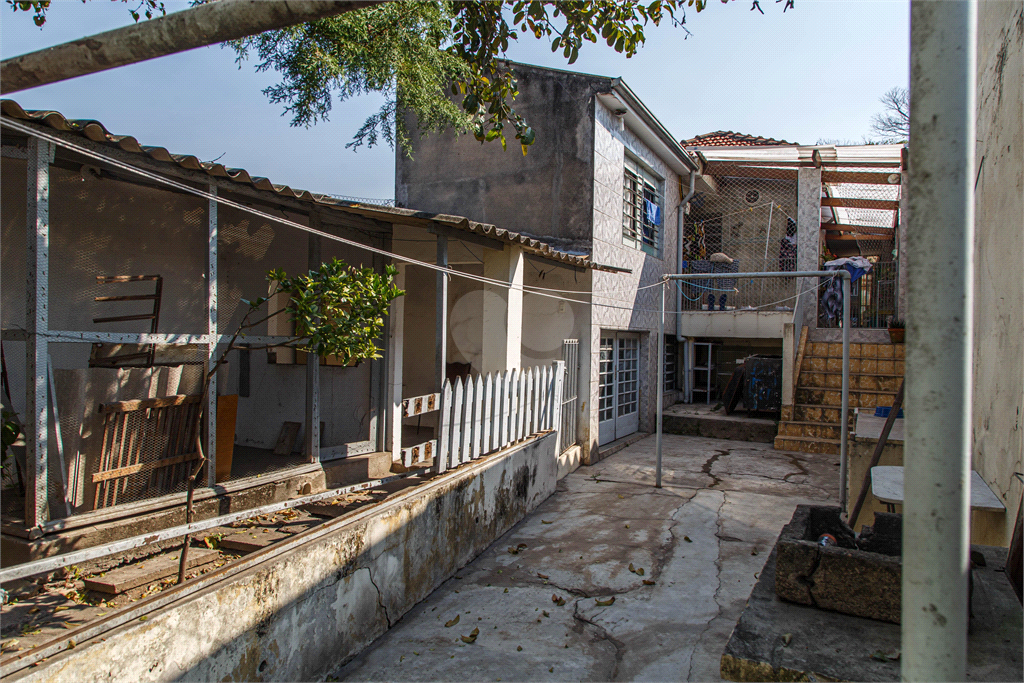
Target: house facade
(604,178)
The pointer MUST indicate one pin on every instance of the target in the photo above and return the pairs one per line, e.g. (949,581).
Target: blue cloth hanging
(653,212)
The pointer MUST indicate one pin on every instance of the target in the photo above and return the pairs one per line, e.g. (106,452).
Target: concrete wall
(547,192)
(999,253)
(301,613)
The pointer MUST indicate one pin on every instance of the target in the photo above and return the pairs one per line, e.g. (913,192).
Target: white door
(619,386)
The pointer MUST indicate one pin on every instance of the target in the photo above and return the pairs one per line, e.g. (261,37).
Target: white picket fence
(489,412)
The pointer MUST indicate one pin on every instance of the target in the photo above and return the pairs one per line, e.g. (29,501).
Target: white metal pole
(940,253)
(660,379)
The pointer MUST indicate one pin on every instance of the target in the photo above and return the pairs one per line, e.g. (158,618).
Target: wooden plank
(863,237)
(512,413)
(734,390)
(531,380)
(253,539)
(142,467)
(854,203)
(730,170)
(154,569)
(800,359)
(478,417)
(124,318)
(863,229)
(109,279)
(443,445)
(467,422)
(863,178)
(458,409)
(287,438)
(146,403)
(132,297)
(521,398)
(418,405)
(419,452)
(488,421)
(540,402)
(549,394)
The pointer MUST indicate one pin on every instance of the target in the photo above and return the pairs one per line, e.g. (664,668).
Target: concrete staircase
(811,424)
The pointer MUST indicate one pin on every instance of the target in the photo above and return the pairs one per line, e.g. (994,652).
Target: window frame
(639,182)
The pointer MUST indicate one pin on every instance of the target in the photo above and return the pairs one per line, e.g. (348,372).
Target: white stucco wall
(998,432)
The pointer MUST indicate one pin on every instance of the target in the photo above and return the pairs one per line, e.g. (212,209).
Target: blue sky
(816,71)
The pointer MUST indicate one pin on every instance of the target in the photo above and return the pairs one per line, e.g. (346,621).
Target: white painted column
(37,308)
(441,313)
(940,336)
(503,311)
(211,349)
(311,445)
(395,348)
(808,231)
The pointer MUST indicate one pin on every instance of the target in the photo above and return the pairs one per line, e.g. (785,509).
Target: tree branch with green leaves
(338,310)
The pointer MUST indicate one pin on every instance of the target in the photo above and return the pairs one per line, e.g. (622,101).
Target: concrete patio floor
(695,547)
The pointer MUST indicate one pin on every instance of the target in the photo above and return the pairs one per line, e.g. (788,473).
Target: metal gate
(570,417)
(619,386)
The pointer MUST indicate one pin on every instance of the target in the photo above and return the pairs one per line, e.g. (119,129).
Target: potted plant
(896,329)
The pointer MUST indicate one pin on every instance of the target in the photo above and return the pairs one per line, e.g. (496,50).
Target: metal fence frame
(570,392)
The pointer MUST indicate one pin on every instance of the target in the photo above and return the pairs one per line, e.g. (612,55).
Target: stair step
(803,444)
(858,382)
(857,350)
(818,430)
(833,398)
(884,366)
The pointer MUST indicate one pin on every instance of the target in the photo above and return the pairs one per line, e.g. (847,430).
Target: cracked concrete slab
(699,542)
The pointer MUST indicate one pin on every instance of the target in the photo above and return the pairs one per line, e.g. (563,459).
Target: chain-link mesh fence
(745,225)
(124,416)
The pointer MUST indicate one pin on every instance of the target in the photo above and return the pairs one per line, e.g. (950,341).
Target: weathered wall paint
(546,192)
(302,613)
(998,442)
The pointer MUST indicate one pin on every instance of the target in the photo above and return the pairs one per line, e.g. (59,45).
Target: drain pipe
(687,396)
(940,300)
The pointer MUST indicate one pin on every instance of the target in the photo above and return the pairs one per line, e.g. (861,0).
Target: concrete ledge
(357,468)
(714,426)
(828,646)
(327,593)
(569,460)
(167,513)
(614,447)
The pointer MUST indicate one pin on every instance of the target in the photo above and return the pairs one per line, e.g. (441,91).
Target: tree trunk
(215,22)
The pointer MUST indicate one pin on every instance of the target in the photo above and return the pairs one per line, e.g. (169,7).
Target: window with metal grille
(642,208)
(671,351)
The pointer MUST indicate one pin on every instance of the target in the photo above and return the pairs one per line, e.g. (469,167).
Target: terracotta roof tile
(97,132)
(728,138)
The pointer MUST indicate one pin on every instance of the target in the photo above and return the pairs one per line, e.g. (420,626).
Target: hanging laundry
(653,212)
(832,297)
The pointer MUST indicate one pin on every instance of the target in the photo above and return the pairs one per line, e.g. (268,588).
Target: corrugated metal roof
(97,132)
(728,138)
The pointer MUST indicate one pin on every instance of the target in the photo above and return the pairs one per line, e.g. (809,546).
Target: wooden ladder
(149,353)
